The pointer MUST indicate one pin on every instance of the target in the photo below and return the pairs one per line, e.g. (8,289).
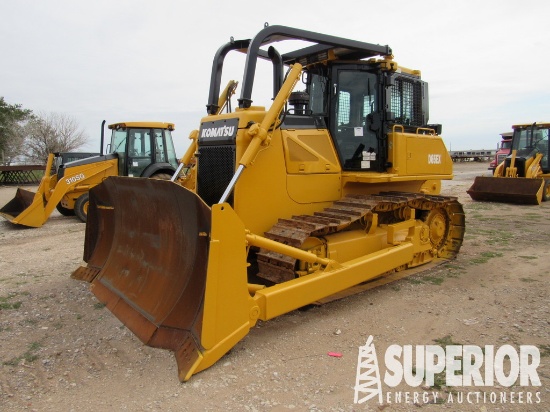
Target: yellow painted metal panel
(427,155)
(314,188)
(295,293)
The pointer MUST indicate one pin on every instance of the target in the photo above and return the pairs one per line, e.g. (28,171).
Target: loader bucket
(518,190)
(147,247)
(25,209)
(22,200)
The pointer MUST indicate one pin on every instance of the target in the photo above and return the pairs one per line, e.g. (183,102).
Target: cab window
(356,99)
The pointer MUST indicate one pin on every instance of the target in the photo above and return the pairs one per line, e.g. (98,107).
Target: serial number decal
(75,178)
(434,159)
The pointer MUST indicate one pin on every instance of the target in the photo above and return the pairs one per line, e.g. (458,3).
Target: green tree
(51,133)
(12,120)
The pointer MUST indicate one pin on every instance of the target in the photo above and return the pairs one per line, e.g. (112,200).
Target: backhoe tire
(162,176)
(546,191)
(81,207)
(64,211)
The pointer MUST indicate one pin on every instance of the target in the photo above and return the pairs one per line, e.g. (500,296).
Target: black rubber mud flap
(22,200)
(518,190)
(146,247)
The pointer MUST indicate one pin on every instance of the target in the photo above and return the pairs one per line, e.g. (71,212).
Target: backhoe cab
(524,175)
(331,186)
(139,149)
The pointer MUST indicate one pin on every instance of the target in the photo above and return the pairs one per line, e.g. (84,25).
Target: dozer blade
(518,190)
(148,245)
(25,209)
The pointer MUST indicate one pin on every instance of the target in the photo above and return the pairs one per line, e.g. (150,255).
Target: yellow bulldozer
(524,175)
(331,186)
(140,149)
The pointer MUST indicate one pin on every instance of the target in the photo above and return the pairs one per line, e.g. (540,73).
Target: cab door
(355,99)
(140,154)
(164,148)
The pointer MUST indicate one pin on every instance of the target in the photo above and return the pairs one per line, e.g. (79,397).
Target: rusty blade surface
(146,247)
(517,190)
(22,200)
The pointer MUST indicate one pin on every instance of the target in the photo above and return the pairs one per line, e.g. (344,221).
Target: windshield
(529,141)
(118,141)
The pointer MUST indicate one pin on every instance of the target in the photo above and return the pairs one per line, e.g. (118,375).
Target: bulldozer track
(353,208)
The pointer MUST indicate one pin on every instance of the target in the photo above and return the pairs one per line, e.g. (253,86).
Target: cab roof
(150,125)
(528,125)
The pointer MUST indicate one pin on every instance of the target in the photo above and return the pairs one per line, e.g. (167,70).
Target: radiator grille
(216,166)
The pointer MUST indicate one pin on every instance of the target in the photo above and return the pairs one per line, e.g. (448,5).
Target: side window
(147,144)
(135,146)
(160,152)
(356,98)
(541,138)
(140,143)
(317,93)
(171,152)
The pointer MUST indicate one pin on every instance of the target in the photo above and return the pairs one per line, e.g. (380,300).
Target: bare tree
(51,133)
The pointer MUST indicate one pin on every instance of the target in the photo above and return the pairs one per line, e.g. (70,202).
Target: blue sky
(486,62)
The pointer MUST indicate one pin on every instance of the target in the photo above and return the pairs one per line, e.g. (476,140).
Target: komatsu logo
(221,131)
(434,159)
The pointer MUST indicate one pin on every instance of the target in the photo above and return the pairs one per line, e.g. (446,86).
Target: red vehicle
(503,150)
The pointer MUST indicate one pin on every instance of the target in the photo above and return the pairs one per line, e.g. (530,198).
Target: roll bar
(341,48)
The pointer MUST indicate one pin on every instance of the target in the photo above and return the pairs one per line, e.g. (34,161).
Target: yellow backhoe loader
(140,149)
(524,176)
(332,186)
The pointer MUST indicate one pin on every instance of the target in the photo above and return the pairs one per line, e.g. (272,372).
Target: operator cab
(358,102)
(528,140)
(353,89)
(138,146)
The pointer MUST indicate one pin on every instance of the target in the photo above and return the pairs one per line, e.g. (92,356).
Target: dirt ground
(60,350)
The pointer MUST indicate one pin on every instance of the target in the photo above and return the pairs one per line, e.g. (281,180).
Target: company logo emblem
(367,381)
(221,131)
(460,365)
